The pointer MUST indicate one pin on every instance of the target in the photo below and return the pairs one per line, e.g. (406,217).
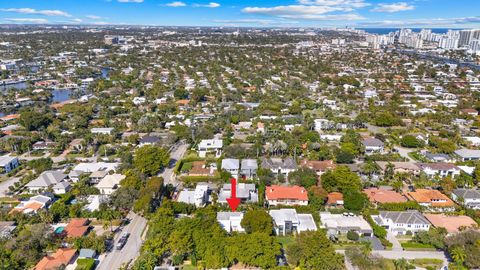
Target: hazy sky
(271,13)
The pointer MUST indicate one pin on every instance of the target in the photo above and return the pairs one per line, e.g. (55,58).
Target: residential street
(5,184)
(115,258)
(177,152)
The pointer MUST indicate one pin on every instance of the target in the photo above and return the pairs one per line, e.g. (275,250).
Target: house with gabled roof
(45,180)
(279,166)
(399,223)
(470,198)
(441,169)
(319,166)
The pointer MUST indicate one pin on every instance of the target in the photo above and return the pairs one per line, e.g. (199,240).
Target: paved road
(115,258)
(176,154)
(5,184)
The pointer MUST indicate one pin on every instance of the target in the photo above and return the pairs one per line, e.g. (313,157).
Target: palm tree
(458,254)
(367,248)
(110,215)
(45,216)
(401,264)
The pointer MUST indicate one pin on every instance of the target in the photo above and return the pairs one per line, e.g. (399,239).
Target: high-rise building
(468,35)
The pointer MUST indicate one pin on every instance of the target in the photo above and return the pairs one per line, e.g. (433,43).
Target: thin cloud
(27,20)
(130,1)
(431,22)
(394,7)
(255,21)
(176,4)
(209,5)
(305,12)
(346,4)
(45,12)
(93,17)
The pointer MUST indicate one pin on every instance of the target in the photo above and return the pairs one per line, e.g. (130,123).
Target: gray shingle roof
(406,217)
(467,193)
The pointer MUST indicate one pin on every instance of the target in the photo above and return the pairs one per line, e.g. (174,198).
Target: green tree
(304,177)
(313,250)
(257,220)
(340,179)
(34,120)
(410,141)
(151,159)
(354,200)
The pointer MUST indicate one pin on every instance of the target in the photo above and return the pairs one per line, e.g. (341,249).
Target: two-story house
(399,223)
(286,195)
(470,198)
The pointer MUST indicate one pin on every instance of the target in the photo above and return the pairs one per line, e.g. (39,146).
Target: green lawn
(416,246)
(189,267)
(285,241)
(435,263)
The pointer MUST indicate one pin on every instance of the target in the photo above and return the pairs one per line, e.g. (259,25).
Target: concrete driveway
(392,239)
(404,152)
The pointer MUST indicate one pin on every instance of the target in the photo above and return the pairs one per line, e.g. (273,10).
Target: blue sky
(268,13)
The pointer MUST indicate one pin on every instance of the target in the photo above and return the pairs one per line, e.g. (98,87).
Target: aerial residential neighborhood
(289,134)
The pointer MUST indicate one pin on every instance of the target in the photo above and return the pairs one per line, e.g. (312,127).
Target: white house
(287,221)
(470,198)
(231,221)
(440,168)
(475,141)
(110,183)
(342,223)
(373,145)
(468,154)
(200,196)
(104,131)
(45,180)
(208,146)
(62,187)
(399,223)
(232,166)
(278,166)
(96,166)
(8,163)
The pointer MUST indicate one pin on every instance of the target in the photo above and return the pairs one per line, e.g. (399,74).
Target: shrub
(352,236)
(85,264)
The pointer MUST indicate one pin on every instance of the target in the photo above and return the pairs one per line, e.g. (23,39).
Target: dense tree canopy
(257,221)
(340,179)
(313,250)
(151,159)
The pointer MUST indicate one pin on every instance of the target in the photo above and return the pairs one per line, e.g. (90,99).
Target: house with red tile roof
(318,166)
(61,258)
(334,200)
(376,195)
(453,224)
(286,195)
(431,198)
(77,227)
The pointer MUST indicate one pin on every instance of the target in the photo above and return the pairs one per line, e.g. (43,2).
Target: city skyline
(243,13)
